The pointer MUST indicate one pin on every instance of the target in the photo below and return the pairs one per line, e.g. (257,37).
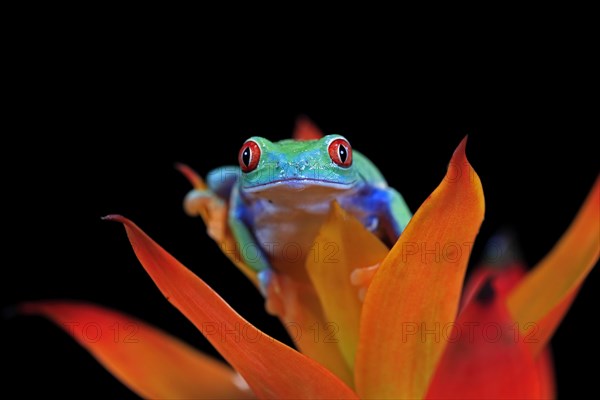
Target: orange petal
(306,129)
(271,369)
(546,293)
(148,361)
(352,247)
(417,288)
(486,357)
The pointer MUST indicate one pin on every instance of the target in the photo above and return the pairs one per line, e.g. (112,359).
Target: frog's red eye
(249,156)
(341,152)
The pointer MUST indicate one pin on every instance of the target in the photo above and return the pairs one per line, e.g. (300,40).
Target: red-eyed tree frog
(280,193)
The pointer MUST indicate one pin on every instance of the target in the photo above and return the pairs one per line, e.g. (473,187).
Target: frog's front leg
(222,180)
(218,187)
(251,252)
(253,255)
(279,290)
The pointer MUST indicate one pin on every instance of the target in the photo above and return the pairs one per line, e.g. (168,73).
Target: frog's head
(291,164)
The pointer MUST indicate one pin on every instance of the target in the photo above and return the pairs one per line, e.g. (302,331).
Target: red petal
(271,369)
(150,362)
(477,367)
(511,274)
(417,287)
(486,357)
(306,130)
(544,366)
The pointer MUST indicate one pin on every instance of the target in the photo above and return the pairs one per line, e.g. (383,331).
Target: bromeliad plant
(412,336)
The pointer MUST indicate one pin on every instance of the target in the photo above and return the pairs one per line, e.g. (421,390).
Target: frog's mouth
(299,184)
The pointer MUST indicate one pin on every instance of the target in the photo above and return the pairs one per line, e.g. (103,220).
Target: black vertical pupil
(343,153)
(246,156)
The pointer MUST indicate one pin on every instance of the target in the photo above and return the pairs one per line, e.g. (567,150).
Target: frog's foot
(211,208)
(361,278)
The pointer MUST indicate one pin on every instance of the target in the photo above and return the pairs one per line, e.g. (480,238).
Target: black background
(99,134)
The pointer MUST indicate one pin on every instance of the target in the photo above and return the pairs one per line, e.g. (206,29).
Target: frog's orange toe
(196,202)
(362,277)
